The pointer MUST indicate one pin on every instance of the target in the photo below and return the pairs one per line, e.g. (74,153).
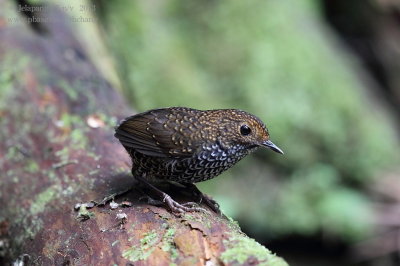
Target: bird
(187,146)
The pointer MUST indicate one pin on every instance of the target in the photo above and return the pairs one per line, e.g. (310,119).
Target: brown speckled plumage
(187,145)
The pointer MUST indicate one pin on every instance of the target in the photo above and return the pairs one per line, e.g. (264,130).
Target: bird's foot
(176,207)
(210,202)
(201,197)
(172,204)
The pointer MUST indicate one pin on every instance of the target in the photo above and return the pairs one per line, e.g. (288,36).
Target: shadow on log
(57,118)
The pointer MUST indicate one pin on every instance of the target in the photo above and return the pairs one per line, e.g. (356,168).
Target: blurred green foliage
(278,60)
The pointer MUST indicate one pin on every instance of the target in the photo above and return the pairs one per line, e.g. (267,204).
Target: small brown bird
(189,146)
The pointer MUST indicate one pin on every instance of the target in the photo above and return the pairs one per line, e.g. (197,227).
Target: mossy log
(57,118)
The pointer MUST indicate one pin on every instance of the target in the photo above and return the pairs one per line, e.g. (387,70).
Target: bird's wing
(157,133)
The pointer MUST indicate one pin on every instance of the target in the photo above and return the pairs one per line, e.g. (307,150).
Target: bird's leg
(203,197)
(166,199)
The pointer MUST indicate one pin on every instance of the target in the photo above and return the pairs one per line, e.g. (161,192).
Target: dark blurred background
(323,75)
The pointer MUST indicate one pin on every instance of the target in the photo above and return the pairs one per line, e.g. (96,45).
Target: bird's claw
(211,203)
(176,207)
(207,200)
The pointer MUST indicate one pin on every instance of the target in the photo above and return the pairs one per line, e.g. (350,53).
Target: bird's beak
(272,146)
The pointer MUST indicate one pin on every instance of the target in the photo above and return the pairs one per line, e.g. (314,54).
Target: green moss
(93,155)
(32,228)
(52,175)
(198,218)
(168,244)
(32,166)
(63,154)
(149,239)
(144,250)
(38,205)
(42,199)
(84,213)
(79,138)
(93,172)
(149,242)
(240,248)
(109,121)
(189,217)
(70,189)
(233,225)
(14,155)
(71,120)
(69,90)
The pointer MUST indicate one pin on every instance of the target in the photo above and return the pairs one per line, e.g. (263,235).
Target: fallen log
(59,160)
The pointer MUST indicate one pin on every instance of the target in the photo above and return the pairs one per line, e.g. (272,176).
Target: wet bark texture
(57,149)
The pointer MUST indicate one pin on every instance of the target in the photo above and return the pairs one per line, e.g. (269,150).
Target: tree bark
(57,118)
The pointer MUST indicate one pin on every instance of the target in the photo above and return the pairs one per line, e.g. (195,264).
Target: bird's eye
(245,130)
